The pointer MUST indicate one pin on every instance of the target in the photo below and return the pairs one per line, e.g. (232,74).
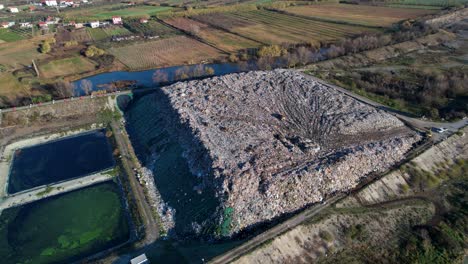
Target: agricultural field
(357,14)
(425,3)
(78,35)
(66,66)
(6,35)
(270,27)
(97,34)
(152,28)
(221,39)
(116,31)
(106,12)
(166,52)
(20,53)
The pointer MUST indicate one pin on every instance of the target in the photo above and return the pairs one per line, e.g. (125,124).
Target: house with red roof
(116,20)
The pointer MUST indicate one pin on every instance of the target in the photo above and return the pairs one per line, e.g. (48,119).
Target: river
(161,76)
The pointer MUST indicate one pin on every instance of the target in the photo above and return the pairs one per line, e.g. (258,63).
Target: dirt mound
(273,142)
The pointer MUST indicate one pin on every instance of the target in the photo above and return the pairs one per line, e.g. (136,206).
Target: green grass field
(9,36)
(117,31)
(97,34)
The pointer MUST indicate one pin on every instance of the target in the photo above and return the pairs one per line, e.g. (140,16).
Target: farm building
(79,25)
(42,24)
(94,24)
(142,259)
(67,3)
(26,25)
(5,25)
(143,20)
(13,9)
(116,20)
(49,2)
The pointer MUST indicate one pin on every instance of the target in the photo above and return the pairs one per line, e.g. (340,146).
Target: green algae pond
(65,228)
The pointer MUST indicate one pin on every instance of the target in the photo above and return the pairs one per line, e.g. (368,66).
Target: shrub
(271,51)
(70,43)
(92,51)
(45,47)
(325,235)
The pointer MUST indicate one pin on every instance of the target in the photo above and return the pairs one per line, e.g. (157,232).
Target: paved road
(128,157)
(275,231)
(57,188)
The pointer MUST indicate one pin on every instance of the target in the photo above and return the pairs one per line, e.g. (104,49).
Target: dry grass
(11,87)
(166,52)
(66,66)
(358,14)
(221,39)
(274,28)
(20,53)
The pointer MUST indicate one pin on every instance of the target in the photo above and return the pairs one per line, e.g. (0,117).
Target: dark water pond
(164,75)
(64,228)
(60,160)
(164,155)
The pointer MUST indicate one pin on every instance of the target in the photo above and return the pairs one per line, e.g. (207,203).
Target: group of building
(49,3)
(63,3)
(116,20)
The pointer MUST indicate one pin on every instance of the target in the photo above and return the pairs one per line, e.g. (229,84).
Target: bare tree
(86,86)
(64,89)
(198,71)
(160,76)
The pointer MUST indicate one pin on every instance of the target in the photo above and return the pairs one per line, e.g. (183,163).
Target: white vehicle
(439,129)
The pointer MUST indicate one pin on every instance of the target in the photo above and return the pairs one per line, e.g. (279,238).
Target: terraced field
(219,38)
(274,28)
(357,14)
(165,52)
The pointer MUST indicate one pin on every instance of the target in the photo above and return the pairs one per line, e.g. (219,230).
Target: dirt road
(52,190)
(275,231)
(128,157)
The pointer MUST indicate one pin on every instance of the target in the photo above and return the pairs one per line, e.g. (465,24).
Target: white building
(13,9)
(1,6)
(49,2)
(26,25)
(94,24)
(67,3)
(142,259)
(116,20)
